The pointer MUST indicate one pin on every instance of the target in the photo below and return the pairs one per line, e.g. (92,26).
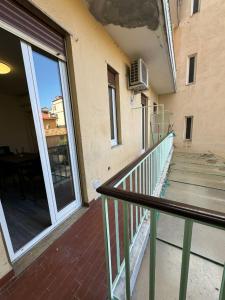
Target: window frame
(192,7)
(114,106)
(113,113)
(185,127)
(188,69)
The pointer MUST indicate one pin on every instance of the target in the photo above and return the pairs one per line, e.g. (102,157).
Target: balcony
(175,233)
(170,249)
(142,29)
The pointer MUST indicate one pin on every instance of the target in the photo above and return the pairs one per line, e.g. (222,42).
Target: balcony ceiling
(138,27)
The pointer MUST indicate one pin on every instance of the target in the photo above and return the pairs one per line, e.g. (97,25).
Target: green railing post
(126,249)
(152,254)
(185,258)
(107,245)
(222,288)
(116,212)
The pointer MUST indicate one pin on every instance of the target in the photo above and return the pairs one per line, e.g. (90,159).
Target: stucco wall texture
(202,33)
(93,49)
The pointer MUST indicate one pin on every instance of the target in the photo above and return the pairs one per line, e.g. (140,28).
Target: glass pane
(54,122)
(22,188)
(111,112)
(191,69)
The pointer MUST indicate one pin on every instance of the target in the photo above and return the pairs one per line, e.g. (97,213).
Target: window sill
(191,83)
(116,146)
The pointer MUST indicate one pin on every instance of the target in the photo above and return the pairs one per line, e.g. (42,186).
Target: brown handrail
(196,213)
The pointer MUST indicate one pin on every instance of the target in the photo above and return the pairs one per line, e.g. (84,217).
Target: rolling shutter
(111,77)
(23,19)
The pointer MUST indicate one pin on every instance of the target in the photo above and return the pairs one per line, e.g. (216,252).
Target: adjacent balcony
(142,29)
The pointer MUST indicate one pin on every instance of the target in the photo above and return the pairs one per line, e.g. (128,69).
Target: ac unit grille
(138,75)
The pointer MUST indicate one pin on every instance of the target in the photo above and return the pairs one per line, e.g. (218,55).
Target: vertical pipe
(185,258)
(107,245)
(126,249)
(117,235)
(152,255)
(222,289)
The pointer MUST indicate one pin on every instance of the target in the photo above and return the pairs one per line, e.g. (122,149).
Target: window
(113,107)
(188,127)
(191,69)
(155,108)
(195,6)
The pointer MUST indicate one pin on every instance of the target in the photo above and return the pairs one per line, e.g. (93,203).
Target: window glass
(189,121)
(195,6)
(52,106)
(191,75)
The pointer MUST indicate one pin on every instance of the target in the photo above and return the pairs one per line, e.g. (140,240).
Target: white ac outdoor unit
(138,79)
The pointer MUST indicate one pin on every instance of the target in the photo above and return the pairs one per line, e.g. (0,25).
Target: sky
(48,78)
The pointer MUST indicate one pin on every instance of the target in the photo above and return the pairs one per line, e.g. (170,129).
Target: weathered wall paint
(126,13)
(202,33)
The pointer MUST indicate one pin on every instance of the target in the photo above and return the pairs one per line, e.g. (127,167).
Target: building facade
(197,107)
(105,125)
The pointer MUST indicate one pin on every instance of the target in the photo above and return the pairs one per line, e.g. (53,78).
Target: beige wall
(204,34)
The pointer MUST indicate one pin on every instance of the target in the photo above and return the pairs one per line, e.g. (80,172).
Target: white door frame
(56,217)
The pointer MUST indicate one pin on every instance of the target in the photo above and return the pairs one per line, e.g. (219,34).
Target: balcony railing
(169,31)
(130,199)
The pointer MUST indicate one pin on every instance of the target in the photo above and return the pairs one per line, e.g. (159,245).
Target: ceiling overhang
(139,29)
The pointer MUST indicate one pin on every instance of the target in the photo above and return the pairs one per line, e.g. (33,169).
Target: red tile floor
(73,267)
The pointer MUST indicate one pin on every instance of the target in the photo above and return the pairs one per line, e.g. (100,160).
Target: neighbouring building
(56,150)
(198,105)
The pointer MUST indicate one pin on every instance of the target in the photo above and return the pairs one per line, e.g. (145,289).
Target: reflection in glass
(54,123)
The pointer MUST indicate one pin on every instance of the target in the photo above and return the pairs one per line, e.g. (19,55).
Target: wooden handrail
(196,213)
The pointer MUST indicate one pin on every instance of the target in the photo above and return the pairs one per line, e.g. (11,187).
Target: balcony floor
(73,267)
(196,179)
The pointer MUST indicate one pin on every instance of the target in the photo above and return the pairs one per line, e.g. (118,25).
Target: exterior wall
(202,33)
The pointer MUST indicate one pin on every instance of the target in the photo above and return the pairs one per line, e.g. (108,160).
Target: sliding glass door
(39,181)
(49,86)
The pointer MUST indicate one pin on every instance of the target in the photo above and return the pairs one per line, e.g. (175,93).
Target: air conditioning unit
(138,79)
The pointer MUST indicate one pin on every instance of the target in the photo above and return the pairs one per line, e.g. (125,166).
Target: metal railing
(169,31)
(128,199)
(60,166)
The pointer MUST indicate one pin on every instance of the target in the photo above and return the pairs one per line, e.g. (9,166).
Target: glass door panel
(54,122)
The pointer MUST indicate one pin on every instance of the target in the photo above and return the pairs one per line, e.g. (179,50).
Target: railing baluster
(151,176)
(152,254)
(143,177)
(117,235)
(222,288)
(136,189)
(107,245)
(185,258)
(131,211)
(126,246)
(140,189)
